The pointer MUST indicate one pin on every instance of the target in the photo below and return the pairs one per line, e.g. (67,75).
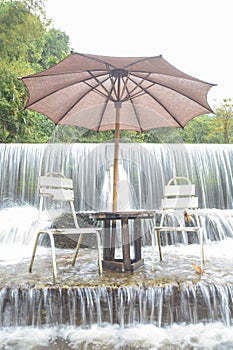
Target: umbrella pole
(115,174)
(116,156)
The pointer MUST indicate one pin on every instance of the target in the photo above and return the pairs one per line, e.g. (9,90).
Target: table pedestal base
(118,265)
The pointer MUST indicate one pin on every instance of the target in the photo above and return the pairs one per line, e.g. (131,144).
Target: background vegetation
(29,43)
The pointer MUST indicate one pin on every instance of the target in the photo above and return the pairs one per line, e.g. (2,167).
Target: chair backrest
(179,196)
(57,187)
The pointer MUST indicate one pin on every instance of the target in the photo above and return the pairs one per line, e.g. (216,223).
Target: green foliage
(27,45)
(55,48)
(224,121)
(16,123)
(10,102)
(71,134)
(198,130)
(42,128)
(164,135)
(22,33)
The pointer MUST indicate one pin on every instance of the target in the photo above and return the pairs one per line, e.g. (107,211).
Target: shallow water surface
(175,267)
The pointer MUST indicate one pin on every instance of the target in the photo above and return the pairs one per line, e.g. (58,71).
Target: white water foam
(18,224)
(213,336)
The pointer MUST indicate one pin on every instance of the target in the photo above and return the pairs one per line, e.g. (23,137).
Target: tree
(56,47)
(22,33)
(223,121)
(198,130)
(164,135)
(15,122)
(27,45)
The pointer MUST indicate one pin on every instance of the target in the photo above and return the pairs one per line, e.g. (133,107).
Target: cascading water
(147,167)
(124,305)
(172,308)
(126,197)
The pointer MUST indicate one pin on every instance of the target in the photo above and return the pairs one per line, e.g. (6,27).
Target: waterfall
(126,195)
(126,306)
(148,167)
(144,169)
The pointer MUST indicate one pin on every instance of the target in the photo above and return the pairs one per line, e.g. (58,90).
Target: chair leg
(153,250)
(202,248)
(34,250)
(159,245)
(77,249)
(51,236)
(99,252)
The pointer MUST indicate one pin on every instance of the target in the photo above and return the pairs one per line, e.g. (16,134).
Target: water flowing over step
(126,306)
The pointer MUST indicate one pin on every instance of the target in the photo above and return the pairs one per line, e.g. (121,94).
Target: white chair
(179,202)
(59,189)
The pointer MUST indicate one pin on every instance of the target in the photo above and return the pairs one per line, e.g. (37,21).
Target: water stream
(171,308)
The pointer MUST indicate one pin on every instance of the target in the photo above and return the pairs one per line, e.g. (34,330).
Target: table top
(116,215)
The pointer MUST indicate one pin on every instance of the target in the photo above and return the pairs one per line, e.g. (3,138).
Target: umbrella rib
(94,59)
(136,114)
(93,88)
(142,59)
(161,104)
(135,110)
(138,85)
(87,92)
(69,85)
(66,73)
(109,64)
(96,90)
(125,81)
(168,87)
(112,82)
(102,115)
(108,93)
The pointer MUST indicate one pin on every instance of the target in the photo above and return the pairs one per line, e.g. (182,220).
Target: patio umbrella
(117,93)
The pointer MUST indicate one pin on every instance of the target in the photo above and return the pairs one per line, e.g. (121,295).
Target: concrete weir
(126,306)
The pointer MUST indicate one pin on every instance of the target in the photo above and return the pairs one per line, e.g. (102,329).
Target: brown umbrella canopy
(116,93)
(81,90)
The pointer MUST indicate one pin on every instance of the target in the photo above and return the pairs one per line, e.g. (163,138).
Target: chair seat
(71,231)
(178,229)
